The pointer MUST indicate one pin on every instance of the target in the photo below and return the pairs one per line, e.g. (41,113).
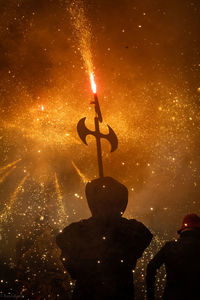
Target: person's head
(190,222)
(106,197)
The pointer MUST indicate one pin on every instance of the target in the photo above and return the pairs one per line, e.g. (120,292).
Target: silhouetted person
(182,263)
(100,253)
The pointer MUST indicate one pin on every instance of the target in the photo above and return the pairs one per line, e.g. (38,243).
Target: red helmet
(190,221)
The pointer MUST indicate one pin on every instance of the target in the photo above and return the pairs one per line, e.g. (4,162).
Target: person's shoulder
(134,224)
(74,229)
(137,228)
(131,222)
(76,226)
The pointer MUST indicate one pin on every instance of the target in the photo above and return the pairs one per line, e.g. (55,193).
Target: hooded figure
(182,263)
(100,253)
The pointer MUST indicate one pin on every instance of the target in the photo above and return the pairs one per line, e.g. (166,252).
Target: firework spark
(61,210)
(16,192)
(13,198)
(83,177)
(82,32)
(6,174)
(2,169)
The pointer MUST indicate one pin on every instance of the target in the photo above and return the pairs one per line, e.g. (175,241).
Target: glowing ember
(93,84)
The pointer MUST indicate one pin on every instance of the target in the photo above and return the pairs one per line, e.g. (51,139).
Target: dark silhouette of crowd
(100,253)
(96,257)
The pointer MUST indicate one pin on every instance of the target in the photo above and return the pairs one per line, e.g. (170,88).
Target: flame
(93,84)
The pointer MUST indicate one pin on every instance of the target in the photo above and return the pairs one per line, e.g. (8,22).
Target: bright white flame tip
(93,84)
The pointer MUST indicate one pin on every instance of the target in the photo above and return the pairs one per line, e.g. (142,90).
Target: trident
(83,131)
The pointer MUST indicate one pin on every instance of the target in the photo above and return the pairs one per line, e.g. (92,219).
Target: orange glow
(93,84)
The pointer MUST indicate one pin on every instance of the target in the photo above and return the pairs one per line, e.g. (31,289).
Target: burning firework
(83,131)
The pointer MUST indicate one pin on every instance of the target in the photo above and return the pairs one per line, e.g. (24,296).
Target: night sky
(145,56)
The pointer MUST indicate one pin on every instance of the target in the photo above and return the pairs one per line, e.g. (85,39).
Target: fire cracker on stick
(83,131)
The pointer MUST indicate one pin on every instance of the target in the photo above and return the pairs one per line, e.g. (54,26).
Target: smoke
(146,69)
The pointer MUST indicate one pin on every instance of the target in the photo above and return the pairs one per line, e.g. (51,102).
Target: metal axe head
(83,131)
(112,138)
